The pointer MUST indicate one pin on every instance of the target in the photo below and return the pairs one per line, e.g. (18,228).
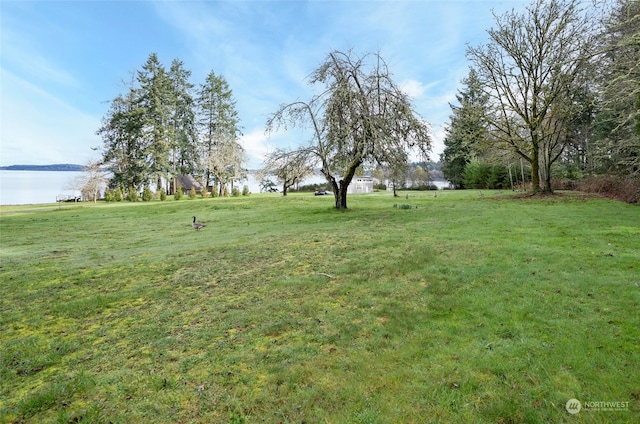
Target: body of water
(37,187)
(34,187)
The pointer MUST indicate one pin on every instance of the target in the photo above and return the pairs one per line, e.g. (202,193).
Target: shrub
(163,195)
(626,189)
(481,175)
(205,193)
(498,177)
(380,186)
(235,192)
(178,194)
(563,184)
(117,195)
(476,175)
(147,195)
(245,190)
(132,195)
(192,193)
(310,187)
(109,195)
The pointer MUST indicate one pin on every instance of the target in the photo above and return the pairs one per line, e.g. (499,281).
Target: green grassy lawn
(461,309)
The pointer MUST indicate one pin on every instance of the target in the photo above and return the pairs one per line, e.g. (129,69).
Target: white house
(360,185)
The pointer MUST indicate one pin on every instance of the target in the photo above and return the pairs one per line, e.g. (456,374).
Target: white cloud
(438,135)
(412,88)
(256,144)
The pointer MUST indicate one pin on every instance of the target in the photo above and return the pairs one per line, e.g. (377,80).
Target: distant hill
(54,167)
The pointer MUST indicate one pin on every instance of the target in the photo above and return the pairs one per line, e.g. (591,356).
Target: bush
(626,189)
(235,192)
(205,193)
(178,194)
(147,195)
(245,190)
(476,175)
(483,176)
(109,196)
(499,177)
(563,184)
(310,188)
(118,196)
(380,186)
(424,187)
(132,195)
(192,193)
(163,195)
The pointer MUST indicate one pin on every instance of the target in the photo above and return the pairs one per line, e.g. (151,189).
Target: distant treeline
(54,167)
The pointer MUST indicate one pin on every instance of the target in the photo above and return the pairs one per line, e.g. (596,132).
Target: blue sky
(63,61)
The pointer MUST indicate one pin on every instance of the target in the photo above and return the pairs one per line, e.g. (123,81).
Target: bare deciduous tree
(224,162)
(222,156)
(91,182)
(361,116)
(289,167)
(532,61)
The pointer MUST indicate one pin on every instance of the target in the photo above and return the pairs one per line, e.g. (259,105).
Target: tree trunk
(547,186)
(535,169)
(340,188)
(341,195)
(208,180)
(339,191)
(547,179)
(511,178)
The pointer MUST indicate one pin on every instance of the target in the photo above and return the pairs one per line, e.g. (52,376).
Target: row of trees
(164,126)
(550,87)
(554,88)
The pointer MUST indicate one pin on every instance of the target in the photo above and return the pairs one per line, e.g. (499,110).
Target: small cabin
(360,185)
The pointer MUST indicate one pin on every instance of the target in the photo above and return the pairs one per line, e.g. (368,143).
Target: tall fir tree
(182,120)
(618,120)
(154,98)
(222,155)
(467,130)
(123,143)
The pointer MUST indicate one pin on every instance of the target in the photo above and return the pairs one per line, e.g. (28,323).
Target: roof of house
(187,182)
